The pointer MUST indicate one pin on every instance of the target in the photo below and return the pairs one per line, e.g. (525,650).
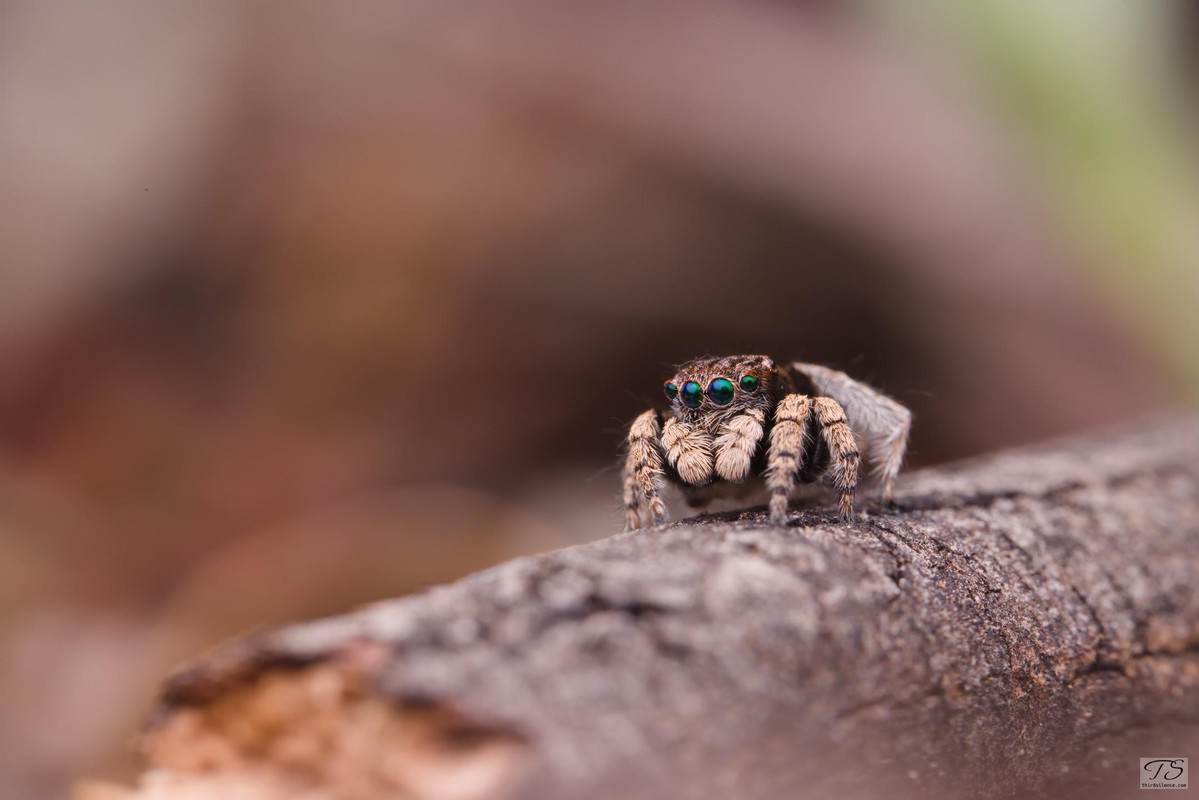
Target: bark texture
(1024,624)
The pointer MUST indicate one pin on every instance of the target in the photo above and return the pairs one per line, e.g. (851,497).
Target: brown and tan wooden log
(1025,624)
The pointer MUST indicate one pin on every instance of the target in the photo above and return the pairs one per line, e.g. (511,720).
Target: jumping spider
(741,416)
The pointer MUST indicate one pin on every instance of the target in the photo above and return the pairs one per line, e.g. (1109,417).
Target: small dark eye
(721,391)
(693,395)
(672,391)
(749,383)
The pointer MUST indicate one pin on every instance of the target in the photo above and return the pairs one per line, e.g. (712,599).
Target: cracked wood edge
(1014,623)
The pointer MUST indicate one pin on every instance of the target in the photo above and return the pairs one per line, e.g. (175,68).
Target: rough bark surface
(1023,624)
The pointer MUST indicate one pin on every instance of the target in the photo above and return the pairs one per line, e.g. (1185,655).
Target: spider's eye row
(721,391)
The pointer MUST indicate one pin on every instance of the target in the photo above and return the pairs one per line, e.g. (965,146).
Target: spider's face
(714,389)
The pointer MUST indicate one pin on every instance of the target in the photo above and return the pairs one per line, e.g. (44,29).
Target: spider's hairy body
(738,418)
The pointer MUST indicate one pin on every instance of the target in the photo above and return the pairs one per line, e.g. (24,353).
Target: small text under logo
(1163,773)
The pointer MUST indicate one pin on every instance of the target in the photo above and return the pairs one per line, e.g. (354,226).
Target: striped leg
(643,475)
(842,450)
(788,442)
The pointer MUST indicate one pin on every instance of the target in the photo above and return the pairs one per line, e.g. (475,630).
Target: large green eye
(693,394)
(672,391)
(721,391)
(749,384)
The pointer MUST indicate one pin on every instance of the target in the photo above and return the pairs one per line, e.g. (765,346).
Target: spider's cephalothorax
(734,418)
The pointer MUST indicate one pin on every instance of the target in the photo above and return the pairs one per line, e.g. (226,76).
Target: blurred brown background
(307,304)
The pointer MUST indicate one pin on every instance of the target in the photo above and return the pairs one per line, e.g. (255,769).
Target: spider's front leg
(644,477)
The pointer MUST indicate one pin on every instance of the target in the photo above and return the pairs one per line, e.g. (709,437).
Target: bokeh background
(306,304)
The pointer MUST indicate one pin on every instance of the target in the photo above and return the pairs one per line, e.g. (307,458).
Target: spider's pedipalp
(688,450)
(788,443)
(737,443)
(842,447)
(644,477)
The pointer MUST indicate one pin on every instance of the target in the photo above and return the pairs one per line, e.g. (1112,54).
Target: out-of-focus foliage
(1097,94)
